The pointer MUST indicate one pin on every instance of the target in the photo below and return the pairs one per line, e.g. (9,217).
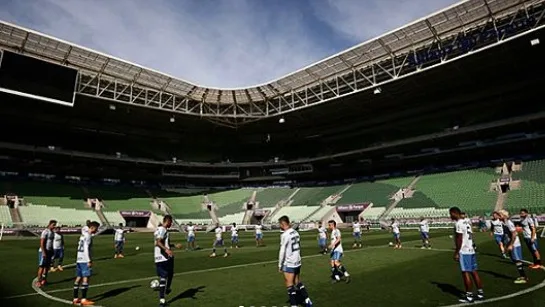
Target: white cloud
(361,20)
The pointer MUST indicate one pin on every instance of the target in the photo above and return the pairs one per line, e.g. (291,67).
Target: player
(497,230)
(234,236)
(190,236)
(530,237)
(425,233)
(219,242)
(164,259)
(397,234)
(514,246)
(119,241)
(85,228)
(259,235)
(58,250)
(337,269)
(465,255)
(45,253)
(356,231)
(84,264)
(322,239)
(289,263)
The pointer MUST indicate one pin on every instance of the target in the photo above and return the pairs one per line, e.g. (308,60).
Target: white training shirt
(356,227)
(424,226)
(527,225)
(258,229)
(234,231)
(497,227)
(190,231)
(119,235)
(84,248)
(49,236)
(336,234)
(161,234)
(464,228)
(322,232)
(395,227)
(58,241)
(511,226)
(84,229)
(219,233)
(290,249)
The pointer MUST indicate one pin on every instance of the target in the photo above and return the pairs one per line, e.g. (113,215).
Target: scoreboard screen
(36,79)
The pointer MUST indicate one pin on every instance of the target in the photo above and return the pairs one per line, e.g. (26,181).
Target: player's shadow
(447,288)
(189,293)
(496,274)
(113,293)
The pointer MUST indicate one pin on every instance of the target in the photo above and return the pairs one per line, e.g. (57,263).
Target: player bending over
(514,246)
(84,265)
(289,263)
(356,231)
(190,236)
(337,269)
(119,241)
(425,233)
(259,235)
(397,234)
(218,242)
(322,238)
(164,259)
(530,237)
(45,253)
(465,255)
(497,230)
(58,250)
(234,236)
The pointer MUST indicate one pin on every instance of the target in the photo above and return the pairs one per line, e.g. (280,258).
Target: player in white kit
(322,239)
(84,263)
(514,246)
(164,259)
(289,263)
(85,228)
(497,230)
(397,235)
(45,253)
(190,236)
(234,236)
(337,269)
(529,233)
(218,242)
(356,232)
(259,235)
(465,255)
(58,250)
(119,241)
(425,233)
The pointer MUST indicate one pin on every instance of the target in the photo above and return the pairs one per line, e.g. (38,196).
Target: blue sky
(219,43)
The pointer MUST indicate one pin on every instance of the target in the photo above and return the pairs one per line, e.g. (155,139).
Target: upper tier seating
(314,196)
(39,215)
(378,192)
(5,216)
(531,195)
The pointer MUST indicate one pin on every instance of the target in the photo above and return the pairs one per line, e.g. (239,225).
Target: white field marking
(39,291)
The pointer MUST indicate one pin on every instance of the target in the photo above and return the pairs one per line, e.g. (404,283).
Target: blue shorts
(296,270)
(322,242)
(259,236)
(45,262)
(516,253)
(119,245)
(83,270)
(499,238)
(58,253)
(190,239)
(336,256)
(218,242)
(357,235)
(234,239)
(397,236)
(424,235)
(468,263)
(165,268)
(531,245)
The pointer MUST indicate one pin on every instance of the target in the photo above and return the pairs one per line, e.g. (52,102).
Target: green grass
(381,276)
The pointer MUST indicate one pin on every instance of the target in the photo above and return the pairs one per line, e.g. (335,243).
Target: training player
(45,253)
(119,241)
(85,228)
(190,236)
(337,269)
(530,237)
(58,250)
(424,226)
(164,259)
(84,264)
(259,234)
(397,234)
(514,246)
(322,238)
(465,255)
(356,231)
(497,230)
(289,263)
(234,236)
(218,242)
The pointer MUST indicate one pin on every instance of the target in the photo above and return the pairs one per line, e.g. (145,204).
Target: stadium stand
(186,206)
(271,196)
(47,193)
(5,216)
(531,194)
(232,218)
(319,214)
(314,196)
(378,192)
(415,213)
(468,189)
(39,215)
(296,213)
(373,213)
(117,198)
(114,218)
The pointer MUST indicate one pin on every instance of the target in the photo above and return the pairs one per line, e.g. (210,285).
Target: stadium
(445,111)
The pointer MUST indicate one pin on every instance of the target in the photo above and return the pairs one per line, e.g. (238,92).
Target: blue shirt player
(289,263)
(338,270)
(218,242)
(164,259)
(465,255)
(84,264)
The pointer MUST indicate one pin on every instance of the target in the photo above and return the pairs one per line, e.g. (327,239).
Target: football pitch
(381,276)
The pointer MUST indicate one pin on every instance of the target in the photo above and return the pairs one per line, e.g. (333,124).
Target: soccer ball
(154,284)
(137,248)
(391,244)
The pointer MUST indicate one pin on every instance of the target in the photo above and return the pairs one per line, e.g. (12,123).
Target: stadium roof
(342,74)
